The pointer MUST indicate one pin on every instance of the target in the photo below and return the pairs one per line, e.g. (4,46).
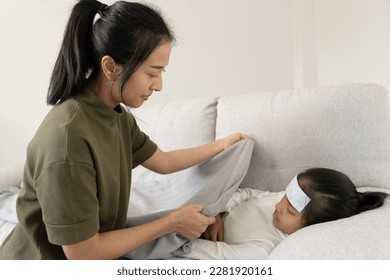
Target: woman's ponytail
(72,63)
(371,200)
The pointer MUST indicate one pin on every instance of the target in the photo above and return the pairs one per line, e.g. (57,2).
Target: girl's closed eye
(292,210)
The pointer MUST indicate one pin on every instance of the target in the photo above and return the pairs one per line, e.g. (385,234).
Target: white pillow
(363,236)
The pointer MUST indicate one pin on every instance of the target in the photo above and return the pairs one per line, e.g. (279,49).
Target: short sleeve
(67,194)
(142,147)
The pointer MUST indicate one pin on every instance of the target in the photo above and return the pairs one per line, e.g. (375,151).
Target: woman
(78,170)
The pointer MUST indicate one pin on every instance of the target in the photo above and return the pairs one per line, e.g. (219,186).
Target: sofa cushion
(175,125)
(343,127)
(178,124)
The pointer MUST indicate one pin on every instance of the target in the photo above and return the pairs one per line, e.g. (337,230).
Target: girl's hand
(189,222)
(233,138)
(215,231)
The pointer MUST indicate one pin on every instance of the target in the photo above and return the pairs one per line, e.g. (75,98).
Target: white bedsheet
(5,229)
(10,184)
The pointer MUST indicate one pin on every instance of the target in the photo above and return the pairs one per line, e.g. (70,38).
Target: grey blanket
(211,183)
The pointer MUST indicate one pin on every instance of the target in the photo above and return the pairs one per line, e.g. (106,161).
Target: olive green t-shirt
(77,177)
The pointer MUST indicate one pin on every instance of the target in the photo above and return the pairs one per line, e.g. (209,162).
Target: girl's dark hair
(334,196)
(127,32)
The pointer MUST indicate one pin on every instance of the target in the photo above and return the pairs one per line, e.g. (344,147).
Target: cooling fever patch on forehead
(296,195)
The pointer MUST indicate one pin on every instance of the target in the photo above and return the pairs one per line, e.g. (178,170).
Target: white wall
(353,41)
(224,47)
(30,36)
(228,47)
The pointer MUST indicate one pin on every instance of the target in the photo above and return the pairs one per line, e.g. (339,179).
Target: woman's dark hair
(127,32)
(334,196)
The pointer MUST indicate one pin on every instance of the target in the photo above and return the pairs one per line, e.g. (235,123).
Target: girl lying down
(255,221)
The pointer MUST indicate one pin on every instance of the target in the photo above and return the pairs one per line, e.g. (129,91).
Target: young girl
(77,174)
(255,222)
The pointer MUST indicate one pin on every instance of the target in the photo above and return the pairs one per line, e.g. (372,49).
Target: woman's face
(147,78)
(286,218)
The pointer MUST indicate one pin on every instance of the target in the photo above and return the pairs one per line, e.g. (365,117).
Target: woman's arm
(188,221)
(169,162)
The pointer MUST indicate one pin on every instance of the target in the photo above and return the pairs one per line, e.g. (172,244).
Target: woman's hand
(214,232)
(233,138)
(189,222)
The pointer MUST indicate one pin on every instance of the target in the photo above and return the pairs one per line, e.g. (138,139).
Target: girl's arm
(169,162)
(243,195)
(208,250)
(188,221)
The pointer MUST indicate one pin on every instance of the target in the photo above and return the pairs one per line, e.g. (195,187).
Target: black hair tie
(102,9)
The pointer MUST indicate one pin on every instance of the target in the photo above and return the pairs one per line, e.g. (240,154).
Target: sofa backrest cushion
(180,123)
(343,127)
(175,125)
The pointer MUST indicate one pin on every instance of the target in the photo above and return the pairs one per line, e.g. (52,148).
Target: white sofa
(344,127)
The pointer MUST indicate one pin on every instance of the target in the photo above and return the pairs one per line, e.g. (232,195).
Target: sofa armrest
(11,176)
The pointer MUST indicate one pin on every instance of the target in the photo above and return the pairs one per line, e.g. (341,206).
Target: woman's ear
(110,68)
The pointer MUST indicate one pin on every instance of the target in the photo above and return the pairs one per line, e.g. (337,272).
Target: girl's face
(147,78)
(286,218)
